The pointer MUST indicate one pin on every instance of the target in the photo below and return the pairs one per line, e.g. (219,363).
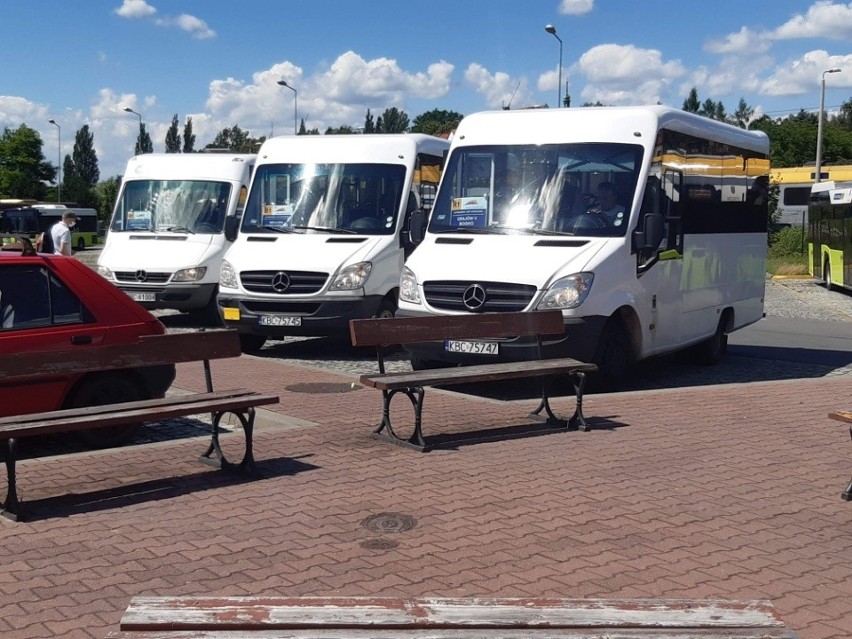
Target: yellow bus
(794,189)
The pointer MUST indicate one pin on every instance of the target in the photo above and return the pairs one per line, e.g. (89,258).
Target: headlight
(408,290)
(227,276)
(352,277)
(568,292)
(105,272)
(190,274)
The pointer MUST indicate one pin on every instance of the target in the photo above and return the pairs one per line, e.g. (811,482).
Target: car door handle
(81,339)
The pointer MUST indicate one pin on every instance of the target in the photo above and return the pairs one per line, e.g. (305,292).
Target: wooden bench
(150,351)
(846,418)
(424,618)
(395,331)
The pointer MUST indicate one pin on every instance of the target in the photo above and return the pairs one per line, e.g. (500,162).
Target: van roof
(385,148)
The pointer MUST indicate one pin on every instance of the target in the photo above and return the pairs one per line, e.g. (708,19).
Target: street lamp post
(818,167)
(283,83)
(139,137)
(552,31)
(58,160)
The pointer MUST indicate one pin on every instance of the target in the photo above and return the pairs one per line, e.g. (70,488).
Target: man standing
(60,233)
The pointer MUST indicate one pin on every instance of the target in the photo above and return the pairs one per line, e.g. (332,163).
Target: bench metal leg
(385,431)
(11,507)
(847,494)
(247,465)
(578,380)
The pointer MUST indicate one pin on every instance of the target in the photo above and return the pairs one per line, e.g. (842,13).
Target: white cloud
(824,19)
(135,9)
(743,41)
(624,74)
(195,26)
(499,89)
(804,74)
(576,7)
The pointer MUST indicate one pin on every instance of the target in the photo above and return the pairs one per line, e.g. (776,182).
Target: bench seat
(845,417)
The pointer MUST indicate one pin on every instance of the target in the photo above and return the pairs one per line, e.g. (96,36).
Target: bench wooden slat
(387,331)
(841,416)
(508,633)
(475,373)
(452,617)
(150,350)
(130,412)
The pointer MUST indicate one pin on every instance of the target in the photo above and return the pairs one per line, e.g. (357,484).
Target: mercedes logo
(280,282)
(141,275)
(474,297)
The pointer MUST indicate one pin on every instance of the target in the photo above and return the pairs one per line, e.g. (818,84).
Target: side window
(32,298)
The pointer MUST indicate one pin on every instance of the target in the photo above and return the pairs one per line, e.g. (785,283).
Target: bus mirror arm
(652,233)
(232,222)
(417,226)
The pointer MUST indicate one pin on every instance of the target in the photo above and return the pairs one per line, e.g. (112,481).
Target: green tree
(85,158)
(173,137)
(394,121)
(436,122)
(23,170)
(236,140)
(74,189)
(743,114)
(143,142)
(691,103)
(106,193)
(341,130)
(188,137)
(369,125)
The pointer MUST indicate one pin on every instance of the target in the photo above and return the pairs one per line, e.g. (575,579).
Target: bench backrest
(407,330)
(150,350)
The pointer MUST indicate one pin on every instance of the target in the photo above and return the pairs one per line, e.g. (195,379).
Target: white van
(166,239)
(646,226)
(324,233)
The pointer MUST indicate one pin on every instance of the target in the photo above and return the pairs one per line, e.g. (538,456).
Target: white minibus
(324,233)
(646,226)
(166,239)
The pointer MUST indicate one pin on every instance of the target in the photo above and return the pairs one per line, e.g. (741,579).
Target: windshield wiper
(277,229)
(468,229)
(327,229)
(179,229)
(539,231)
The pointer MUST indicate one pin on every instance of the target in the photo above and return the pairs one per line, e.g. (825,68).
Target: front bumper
(181,297)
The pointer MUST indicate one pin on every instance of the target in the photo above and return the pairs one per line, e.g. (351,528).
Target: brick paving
(729,491)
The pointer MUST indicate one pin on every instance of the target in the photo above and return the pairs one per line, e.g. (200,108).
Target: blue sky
(219,62)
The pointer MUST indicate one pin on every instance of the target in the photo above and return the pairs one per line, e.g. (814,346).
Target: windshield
(182,206)
(325,198)
(571,189)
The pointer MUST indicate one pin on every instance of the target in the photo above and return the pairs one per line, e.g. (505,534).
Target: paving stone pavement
(727,491)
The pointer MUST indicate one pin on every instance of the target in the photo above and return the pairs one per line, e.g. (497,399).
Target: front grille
(288,308)
(499,296)
(299,282)
(150,278)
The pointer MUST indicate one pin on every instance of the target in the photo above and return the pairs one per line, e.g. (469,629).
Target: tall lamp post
(818,167)
(138,137)
(552,31)
(58,160)
(283,83)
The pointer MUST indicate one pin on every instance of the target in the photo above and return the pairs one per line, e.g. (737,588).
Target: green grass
(787,265)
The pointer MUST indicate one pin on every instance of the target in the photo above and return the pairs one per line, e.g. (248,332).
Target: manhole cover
(389,523)
(323,387)
(379,544)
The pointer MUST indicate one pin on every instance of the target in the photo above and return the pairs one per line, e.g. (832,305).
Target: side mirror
(652,233)
(232,223)
(417,226)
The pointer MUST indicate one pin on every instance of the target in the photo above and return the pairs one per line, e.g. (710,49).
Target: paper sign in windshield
(469,212)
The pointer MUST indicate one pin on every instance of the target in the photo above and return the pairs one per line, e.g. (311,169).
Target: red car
(50,303)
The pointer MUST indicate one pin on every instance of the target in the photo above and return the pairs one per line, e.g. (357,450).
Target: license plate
(477,348)
(136,296)
(279,320)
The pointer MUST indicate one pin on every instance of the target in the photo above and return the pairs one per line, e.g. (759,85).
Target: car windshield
(571,189)
(325,198)
(180,206)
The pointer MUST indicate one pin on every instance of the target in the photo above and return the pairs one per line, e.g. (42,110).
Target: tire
(386,309)
(714,349)
(102,389)
(250,343)
(209,315)
(612,357)
(81,244)
(826,275)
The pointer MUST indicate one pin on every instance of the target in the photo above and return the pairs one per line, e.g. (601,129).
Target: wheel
(209,315)
(612,357)
(251,343)
(99,390)
(826,274)
(81,244)
(386,309)
(714,349)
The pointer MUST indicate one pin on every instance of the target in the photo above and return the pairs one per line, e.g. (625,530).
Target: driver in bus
(607,204)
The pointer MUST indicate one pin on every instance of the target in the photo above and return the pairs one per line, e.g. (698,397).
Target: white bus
(166,239)
(677,261)
(322,239)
